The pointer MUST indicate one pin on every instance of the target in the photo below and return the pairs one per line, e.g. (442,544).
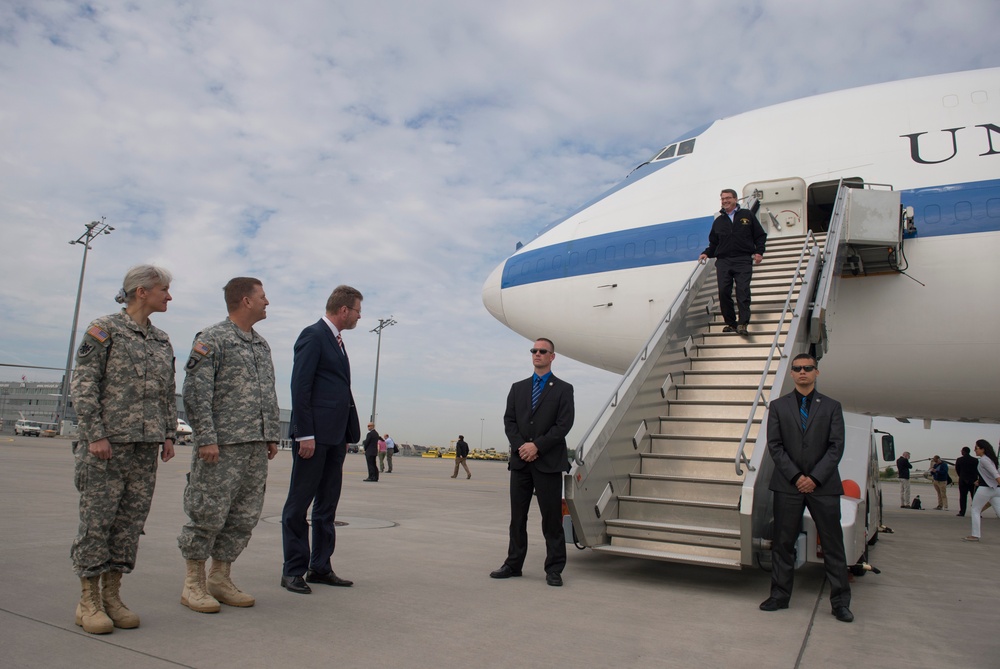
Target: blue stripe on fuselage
(955,209)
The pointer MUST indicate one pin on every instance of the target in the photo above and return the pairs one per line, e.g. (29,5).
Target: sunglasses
(543,351)
(803,368)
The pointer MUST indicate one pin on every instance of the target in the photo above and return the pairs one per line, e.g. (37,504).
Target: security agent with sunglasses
(539,415)
(805,438)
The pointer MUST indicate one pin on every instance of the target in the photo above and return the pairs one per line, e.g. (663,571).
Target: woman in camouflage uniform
(123,392)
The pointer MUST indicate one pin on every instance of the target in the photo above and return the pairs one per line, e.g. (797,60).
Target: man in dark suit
(539,415)
(805,438)
(371,453)
(967,469)
(324,420)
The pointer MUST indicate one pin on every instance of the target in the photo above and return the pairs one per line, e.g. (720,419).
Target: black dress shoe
(772,604)
(504,572)
(295,584)
(552,578)
(329,579)
(843,614)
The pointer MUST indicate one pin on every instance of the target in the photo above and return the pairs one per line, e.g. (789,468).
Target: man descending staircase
(682,501)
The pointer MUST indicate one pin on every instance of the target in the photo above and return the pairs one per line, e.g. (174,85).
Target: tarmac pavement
(419,546)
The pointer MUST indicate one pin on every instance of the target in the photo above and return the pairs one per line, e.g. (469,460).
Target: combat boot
(194,595)
(221,586)
(90,613)
(111,583)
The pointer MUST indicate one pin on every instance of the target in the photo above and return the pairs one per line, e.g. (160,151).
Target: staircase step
(719,467)
(684,486)
(665,556)
(716,393)
(726,363)
(693,530)
(693,428)
(682,511)
(710,410)
(723,378)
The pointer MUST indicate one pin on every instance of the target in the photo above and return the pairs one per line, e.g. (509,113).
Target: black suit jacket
(371,442)
(546,426)
(815,451)
(322,402)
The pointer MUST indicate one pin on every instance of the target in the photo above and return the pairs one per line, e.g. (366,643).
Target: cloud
(403,148)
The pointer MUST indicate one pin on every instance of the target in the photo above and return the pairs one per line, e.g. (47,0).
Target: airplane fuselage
(600,280)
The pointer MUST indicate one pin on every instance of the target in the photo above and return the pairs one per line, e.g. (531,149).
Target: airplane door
(782,205)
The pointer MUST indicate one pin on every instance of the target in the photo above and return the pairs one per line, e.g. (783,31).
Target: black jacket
(371,442)
(546,425)
(814,452)
(967,468)
(740,238)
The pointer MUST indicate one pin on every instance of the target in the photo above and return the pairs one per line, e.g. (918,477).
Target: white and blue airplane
(925,344)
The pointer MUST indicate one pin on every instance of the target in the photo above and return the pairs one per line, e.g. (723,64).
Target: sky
(402,148)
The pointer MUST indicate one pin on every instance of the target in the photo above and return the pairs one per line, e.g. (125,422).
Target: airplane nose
(492,299)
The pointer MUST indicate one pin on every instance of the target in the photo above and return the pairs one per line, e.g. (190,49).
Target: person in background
(904,467)
(371,453)
(939,475)
(381,455)
(123,391)
(966,468)
(461,455)
(390,449)
(989,487)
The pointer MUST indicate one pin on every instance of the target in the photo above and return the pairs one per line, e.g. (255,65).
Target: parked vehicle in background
(184,431)
(27,428)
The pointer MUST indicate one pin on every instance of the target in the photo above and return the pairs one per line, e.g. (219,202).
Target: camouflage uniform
(123,389)
(230,400)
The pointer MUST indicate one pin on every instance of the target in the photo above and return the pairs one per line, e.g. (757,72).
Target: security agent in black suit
(536,431)
(371,453)
(324,420)
(805,475)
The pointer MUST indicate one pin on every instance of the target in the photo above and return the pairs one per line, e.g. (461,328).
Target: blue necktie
(804,412)
(536,392)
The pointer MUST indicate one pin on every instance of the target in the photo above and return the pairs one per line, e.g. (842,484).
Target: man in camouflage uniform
(123,393)
(232,407)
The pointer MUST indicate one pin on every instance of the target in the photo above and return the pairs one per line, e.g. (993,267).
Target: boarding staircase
(670,468)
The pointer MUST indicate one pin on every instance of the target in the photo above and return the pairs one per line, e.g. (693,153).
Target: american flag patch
(199,348)
(98,334)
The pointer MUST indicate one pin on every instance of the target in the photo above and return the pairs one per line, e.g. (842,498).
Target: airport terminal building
(39,401)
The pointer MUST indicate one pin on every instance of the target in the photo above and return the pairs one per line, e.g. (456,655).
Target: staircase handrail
(807,247)
(630,373)
(817,321)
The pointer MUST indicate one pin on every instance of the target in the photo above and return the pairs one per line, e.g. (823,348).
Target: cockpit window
(666,153)
(674,150)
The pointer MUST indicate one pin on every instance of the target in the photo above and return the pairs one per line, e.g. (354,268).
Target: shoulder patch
(198,353)
(86,348)
(98,333)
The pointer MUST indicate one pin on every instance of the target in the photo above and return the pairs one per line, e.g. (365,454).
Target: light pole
(383,323)
(94,228)
(482,421)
